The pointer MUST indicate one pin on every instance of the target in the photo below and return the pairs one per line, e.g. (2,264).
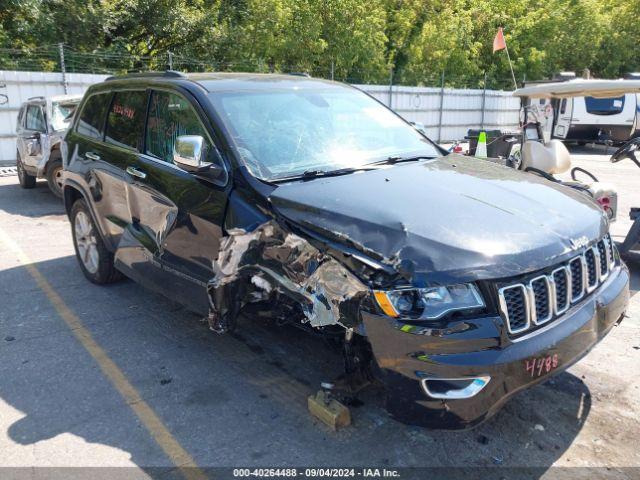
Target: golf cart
(539,154)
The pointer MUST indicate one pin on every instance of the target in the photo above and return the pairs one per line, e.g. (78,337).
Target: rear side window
(125,122)
(604,106)
(35,119)
(91,121)
(170,116)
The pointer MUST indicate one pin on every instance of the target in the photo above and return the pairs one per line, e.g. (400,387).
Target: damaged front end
(414,294)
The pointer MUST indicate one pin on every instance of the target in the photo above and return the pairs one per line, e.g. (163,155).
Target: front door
(563,122)
(180,214)
(32,137)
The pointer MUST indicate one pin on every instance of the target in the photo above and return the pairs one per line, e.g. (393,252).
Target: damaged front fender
(271,263)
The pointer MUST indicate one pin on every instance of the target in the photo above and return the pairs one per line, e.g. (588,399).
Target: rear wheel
(54,176)
(96,262)
(26,180)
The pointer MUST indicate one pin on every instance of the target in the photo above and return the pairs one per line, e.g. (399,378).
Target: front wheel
(96,262)
(26,180)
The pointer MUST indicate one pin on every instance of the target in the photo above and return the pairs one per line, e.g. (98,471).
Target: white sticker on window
(617,103)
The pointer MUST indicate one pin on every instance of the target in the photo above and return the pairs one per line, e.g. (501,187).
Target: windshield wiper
(319,173)
(397,159)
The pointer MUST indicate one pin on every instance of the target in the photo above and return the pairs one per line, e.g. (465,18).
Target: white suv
(42,122)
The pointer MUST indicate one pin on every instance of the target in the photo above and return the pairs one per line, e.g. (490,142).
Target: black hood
(452,218)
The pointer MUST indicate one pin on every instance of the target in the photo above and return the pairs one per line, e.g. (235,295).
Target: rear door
(180,214)
(101,164)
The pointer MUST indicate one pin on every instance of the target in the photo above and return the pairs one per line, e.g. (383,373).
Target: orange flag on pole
(498,41)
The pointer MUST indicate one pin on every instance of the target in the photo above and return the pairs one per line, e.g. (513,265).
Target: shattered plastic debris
(253,265)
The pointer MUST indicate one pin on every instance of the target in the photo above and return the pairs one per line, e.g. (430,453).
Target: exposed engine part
(270,262)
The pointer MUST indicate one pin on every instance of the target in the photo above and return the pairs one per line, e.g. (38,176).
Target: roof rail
(165,74)
(37,97)
(299,74)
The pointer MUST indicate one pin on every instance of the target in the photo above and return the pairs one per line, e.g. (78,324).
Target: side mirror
(187,152)
(190,154)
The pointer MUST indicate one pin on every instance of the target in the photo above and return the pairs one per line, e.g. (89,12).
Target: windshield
(61,115)
(286,133)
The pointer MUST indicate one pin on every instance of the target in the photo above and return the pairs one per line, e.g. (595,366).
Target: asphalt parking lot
(119,376)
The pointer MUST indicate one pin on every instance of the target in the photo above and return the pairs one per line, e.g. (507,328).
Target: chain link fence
(61,58)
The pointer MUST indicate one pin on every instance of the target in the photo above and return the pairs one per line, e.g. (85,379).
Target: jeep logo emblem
(579,242)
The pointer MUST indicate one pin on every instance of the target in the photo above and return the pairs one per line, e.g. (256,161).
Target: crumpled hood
(452,218)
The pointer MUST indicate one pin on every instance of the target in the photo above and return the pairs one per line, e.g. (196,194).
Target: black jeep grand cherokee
(457,281)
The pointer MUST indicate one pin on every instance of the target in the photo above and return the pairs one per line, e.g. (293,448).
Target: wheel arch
(71,193)
(54,154)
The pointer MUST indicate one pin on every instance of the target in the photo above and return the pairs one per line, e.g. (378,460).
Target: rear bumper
(481,348)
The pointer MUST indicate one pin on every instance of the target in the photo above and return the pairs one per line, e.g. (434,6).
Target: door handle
(92,156)
(133,171)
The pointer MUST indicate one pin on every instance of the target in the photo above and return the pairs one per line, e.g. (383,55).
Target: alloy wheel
(86,242)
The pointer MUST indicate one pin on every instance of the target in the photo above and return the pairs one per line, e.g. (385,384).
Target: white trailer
(584,119)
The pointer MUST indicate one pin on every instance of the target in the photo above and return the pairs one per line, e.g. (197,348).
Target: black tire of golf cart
(106,272)
(54,170)
(26,180)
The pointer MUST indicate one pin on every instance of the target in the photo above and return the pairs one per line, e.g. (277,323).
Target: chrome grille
(541,306)
(561,280)
(540,299)
(576,273)
(592,268)
(513,299)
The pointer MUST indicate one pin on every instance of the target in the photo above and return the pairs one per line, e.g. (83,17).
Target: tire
(96,262)
(515,159)
(26,180)
(54,176)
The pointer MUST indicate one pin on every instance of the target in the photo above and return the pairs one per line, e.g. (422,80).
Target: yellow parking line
(145,413)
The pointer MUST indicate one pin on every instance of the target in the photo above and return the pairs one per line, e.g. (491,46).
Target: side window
(170,116)
(125,122)
(91,121)
(563,105)
(35,119)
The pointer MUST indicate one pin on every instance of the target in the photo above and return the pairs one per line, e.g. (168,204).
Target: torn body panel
(271,262)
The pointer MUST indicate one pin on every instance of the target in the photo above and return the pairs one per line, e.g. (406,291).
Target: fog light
(454,388)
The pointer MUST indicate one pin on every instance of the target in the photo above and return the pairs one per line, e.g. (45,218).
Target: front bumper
(480,347)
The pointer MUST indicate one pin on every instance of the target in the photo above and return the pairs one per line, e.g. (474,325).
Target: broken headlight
(429,303)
